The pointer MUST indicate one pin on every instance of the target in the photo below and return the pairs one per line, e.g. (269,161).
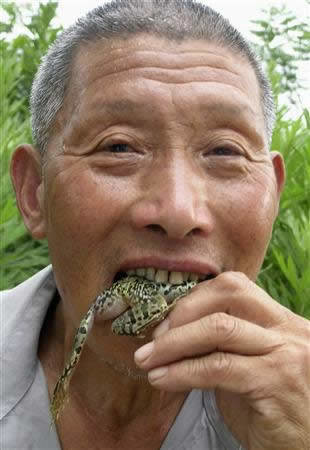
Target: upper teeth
(164,276)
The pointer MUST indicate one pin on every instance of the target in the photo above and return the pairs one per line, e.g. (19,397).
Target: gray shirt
(25,420)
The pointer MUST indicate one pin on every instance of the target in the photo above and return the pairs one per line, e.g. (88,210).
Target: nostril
(161,230)
(195,232)
(156,228)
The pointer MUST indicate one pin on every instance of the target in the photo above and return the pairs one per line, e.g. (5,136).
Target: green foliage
(28,47)
(292,138)
(285,42)
(286,270)
(20,256)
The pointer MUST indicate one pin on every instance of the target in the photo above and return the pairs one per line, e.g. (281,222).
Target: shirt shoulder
(23,310)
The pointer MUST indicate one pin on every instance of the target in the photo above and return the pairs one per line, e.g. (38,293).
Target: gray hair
(176,20)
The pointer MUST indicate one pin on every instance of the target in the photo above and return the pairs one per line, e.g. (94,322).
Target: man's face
(164,163)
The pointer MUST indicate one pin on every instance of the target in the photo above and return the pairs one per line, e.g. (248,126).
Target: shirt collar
(23,310)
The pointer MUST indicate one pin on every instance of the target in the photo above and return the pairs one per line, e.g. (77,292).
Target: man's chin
(117,351)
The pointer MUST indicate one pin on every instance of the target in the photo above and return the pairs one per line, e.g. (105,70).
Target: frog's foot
(141,316)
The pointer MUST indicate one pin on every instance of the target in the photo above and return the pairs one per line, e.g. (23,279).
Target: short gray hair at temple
(176,20)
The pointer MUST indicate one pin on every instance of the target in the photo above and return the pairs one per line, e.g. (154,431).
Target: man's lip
(179,265)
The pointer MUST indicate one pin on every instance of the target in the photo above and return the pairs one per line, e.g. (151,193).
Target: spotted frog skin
(148,302)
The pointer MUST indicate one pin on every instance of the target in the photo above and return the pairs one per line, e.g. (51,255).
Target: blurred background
(280,33)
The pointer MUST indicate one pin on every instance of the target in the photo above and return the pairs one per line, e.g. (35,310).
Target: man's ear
(279,170)
(29,188)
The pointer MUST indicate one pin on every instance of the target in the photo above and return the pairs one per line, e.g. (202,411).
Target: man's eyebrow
(238,116)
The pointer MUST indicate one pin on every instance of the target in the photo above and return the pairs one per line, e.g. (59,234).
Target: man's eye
(224,151)
(118,148)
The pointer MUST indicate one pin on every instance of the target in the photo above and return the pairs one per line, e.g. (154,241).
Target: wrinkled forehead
(102,68)
(105,57)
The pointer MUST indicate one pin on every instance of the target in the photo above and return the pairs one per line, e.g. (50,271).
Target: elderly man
(152,123)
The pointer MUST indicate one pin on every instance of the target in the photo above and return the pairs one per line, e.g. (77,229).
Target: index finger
(232,293)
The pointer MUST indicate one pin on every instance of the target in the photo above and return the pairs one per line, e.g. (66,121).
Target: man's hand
(229,335)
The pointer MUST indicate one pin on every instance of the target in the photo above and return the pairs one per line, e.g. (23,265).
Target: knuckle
(232,281)
(183,309)
(293,363)
(191,369)
(298,354)
(221,364)
(208,371)
(196,367)
(225,326)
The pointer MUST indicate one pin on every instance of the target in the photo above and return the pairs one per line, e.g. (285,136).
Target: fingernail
(155,374)
(144,352)
(161,328)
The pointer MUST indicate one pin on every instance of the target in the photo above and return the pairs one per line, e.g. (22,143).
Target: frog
(148,303)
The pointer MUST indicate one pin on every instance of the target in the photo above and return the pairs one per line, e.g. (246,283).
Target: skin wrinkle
(245,108)
(141,58)
(81,128)
(246,111)
(117,45)
(233,116)
(187,76)
(80,54)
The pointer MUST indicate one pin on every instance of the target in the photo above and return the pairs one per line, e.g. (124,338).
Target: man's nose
(174,202)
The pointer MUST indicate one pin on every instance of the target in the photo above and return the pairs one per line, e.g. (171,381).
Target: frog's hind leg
(61,389)
(143,314)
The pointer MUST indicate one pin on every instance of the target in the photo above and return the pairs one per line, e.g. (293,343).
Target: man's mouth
(164,276)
